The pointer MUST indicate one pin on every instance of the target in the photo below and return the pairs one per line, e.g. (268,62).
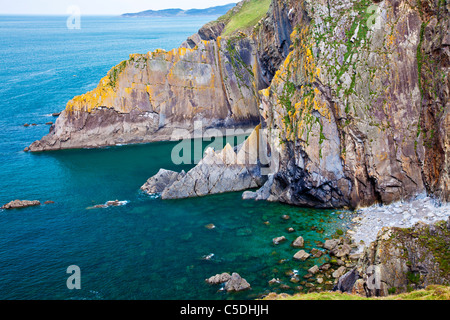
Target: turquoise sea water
(148,249)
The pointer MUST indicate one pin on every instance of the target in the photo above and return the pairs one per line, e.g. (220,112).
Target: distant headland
(218,10)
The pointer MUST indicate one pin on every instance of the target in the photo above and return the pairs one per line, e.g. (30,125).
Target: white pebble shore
(369,221)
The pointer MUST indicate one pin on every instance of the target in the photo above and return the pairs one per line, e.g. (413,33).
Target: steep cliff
(147,97)
(352,94)
(360,107)
(401,260)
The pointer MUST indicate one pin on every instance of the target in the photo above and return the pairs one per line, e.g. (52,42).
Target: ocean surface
(147,249)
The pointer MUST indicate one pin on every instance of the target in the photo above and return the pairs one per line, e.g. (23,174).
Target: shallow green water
(150,248)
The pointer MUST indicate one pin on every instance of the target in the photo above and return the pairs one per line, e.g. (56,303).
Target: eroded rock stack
(218,172)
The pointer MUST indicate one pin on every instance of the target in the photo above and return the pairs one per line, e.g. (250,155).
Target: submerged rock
(210,226)
(115,203)
(317,253)
(339,272)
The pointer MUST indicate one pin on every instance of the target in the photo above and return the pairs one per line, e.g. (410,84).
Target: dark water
(148,249)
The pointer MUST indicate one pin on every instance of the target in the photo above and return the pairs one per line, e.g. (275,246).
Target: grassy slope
(249,15)
(430,293)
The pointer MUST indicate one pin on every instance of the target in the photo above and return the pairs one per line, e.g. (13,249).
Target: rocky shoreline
(371,220)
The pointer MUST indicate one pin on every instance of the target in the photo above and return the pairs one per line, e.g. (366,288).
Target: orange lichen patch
(294,35)
(265,92)
(135,56)
(219,39)
(103,96)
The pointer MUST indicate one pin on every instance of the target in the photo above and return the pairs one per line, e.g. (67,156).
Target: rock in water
(341,250)
(219,278)
(217,172)
(17,204)
(278,240)
(331,244)
(298,243)
(301,255)
(161,180)
(151,96)
(236,284)
(115,203)
(314,270)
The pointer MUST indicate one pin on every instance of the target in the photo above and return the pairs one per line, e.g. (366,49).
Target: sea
(147,248)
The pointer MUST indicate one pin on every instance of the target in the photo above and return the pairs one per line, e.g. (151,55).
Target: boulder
(278,240)
(317,253)
(339,272)
(219,278)
(236,284)
(314,270)
(331,244)
(341,250)
(410,258)
(299,242)
(301,255)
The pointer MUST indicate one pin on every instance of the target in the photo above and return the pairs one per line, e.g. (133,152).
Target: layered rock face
(361,104)
(146,98)
(401,260)
(357,104)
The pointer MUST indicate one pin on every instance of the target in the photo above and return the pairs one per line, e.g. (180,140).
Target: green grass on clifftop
(430,293)
(249,15)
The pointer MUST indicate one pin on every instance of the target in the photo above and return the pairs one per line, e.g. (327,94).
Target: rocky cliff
(401,260)
(360,106)
(209,78)
(352,94)
(358,111)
